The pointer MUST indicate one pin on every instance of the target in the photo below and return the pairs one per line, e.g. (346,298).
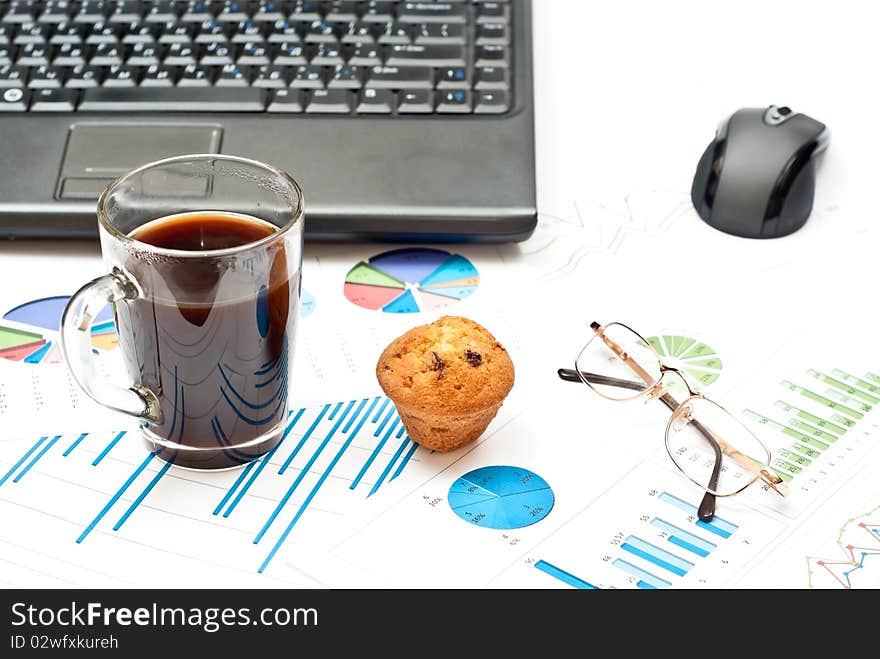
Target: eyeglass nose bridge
(660,388)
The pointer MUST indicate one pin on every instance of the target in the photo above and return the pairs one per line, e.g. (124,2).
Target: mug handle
(76,344)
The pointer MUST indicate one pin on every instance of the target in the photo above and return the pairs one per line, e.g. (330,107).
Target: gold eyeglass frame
(681,411)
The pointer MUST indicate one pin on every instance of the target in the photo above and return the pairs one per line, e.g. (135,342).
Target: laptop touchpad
(98,152)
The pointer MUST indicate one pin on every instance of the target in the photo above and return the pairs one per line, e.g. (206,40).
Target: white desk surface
(628,95)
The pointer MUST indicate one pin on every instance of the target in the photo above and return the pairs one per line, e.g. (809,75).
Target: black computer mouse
(757,177)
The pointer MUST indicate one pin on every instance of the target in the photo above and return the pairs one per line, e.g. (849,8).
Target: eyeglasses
(707,443)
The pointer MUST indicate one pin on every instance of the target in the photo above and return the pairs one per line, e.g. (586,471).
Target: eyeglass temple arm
(719,446)
(741,458)
(570,375)
(706,510)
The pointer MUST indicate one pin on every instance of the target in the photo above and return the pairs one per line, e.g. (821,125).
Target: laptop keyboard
(358,58)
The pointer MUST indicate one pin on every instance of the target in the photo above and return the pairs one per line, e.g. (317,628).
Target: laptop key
(160,11)
(441,33)
(233,75)
(92,11)
(344,76)
(56,11)
(327,54)
(305,10)
(179,54)
(254,53)
(194,75)
(216,52)
(440,12)
(492,34)
(378,11)
(417,101)
(458,101)
(54,100)
(33,54)
(283,31)
(68,33)
(286,100)
(31,33)
(198,11)
(102,33)
(157,75)
(210,32)
(69,54)
(396,33)
(139,33)
(120,76)
(144,54)
(248,31)
(342,11)
(493,12)
(491,77)
(270,76)
(400,77)
(454,77)
(268,11)
(364,54)
(320,32)
(13,76)
(426,55)
(19,12)
(43,77)
(177,33)
(127,11)
(175,99)
(333,101)
(492,56)
(307,77)
(233,11)
(491,102)
(83,77)
(14,99)
(375,101)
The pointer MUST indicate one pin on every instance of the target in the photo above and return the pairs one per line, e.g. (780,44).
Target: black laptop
(402,121)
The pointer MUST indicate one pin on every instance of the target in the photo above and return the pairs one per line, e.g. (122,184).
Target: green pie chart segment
(696,358)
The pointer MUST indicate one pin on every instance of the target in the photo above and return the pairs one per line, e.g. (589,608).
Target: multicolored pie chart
(31,331)
(411,280)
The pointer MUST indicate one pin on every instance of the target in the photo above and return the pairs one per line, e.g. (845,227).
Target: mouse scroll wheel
(776,115)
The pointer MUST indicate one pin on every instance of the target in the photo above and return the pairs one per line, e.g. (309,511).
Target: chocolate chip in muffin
(439,365)
(473,358)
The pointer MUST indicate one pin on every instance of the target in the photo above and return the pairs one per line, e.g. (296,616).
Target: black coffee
(211,338)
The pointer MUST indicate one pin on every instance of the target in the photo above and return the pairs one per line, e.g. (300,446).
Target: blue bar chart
(639,537)
(119,498)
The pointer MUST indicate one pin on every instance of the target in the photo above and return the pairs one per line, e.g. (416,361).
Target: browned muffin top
(453,365)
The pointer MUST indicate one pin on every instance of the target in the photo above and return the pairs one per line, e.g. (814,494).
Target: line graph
(568,235)
(857,563)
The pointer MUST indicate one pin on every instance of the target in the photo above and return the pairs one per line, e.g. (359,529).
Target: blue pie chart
(501,497)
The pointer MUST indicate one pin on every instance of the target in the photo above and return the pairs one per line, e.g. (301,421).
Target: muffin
(448,380)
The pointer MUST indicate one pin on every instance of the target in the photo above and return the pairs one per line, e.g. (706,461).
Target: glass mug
(204,254)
